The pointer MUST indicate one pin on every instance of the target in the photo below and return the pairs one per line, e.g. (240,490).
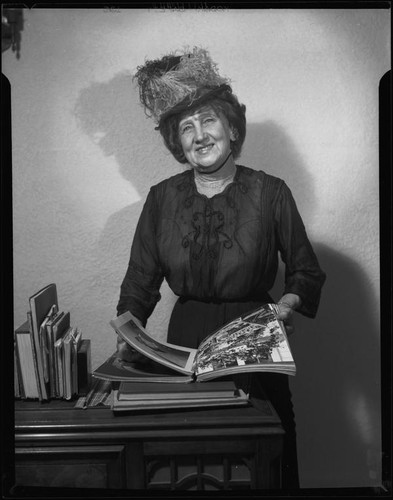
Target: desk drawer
(71,467)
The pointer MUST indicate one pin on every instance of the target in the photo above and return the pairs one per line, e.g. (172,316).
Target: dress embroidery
(207,233)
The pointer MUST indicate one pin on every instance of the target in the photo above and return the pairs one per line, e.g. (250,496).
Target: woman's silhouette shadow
(110,114)
(337,387)
(269,148)
(336,390)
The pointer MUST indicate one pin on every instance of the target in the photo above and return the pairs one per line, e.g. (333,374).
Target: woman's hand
(127,353)
(287,305)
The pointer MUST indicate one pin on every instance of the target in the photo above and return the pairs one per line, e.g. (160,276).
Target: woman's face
(206,138)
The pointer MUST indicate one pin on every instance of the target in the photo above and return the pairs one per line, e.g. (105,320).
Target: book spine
(59,331)
(27,378)
(17,390)
(39,357)
(56,371)
(84,367)
(18,380)
(67,353)
(44,354)
(74,364)
(59,368)
(51,361)
(34,355)
(63,370)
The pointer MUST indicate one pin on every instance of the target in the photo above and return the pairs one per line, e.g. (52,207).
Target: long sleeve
(139,291)
(303,275)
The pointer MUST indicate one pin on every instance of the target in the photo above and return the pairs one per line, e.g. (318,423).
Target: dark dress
(219,255)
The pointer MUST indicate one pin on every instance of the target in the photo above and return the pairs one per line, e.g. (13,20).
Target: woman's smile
(203,150)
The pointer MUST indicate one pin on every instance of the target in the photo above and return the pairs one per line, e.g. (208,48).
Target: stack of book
(154,396)
(51,358)
(256,341)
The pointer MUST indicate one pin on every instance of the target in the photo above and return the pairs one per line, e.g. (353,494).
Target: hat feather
(166,82)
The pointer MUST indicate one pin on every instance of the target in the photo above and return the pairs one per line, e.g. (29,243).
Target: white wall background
(84,157)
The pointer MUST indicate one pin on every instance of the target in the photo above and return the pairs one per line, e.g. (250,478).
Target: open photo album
(256,341)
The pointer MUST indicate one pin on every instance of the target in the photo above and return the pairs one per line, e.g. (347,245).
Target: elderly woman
(215,231)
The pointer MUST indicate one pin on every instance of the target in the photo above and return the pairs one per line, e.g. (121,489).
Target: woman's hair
(225,104)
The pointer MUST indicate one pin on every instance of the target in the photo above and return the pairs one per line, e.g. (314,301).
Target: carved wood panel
(203,472)
(75,467)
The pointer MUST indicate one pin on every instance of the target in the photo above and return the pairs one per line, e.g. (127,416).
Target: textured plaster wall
(84,157)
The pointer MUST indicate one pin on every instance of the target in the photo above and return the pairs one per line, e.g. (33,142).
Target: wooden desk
(58,445)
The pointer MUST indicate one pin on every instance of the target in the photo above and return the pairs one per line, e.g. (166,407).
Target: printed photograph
(150,346)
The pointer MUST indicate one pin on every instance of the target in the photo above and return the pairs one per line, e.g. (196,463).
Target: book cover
(25,357)
(34,354)
(76,339)
(40,305)
(59,367)
(59,329)
(19,391)
(50,344)
(256,341)
(136,391)
(70,345)
(240,398)
(43,338)
(84,366)
(66,362)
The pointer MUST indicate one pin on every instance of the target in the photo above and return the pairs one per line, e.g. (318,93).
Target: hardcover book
(256,341)
(30,321)
(25,360)
(151,391)
(18,386)
(59,332)
(75,343)
(84,366)
(152,396)
(41,304)
(69,362)
(51,337)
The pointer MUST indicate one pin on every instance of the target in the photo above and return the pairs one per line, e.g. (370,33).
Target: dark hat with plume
(178,81)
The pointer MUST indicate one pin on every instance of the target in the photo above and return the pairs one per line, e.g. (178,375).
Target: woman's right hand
(127,353)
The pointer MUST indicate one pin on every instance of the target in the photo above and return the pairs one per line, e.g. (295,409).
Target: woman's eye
(185,128)
(208,119)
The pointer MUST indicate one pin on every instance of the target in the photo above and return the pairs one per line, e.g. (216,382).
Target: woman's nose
(199,133)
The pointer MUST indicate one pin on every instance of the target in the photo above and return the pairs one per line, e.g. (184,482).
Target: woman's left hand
(287,304)
(286,315)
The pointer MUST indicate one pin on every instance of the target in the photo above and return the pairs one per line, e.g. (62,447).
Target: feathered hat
(177,82)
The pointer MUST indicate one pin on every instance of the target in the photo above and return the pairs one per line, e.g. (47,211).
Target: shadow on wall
(337,388)
(109,113)
(104,112)
(336,391)
(268,147)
